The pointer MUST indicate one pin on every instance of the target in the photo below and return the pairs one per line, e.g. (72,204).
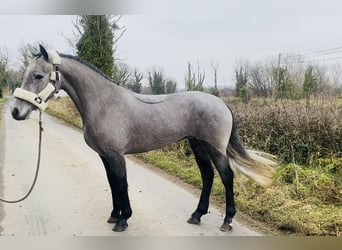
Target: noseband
(40,100)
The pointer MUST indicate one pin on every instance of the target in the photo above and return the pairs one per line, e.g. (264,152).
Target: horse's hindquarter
(211,120)
(182,115)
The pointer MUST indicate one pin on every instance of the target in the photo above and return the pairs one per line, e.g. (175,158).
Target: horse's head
(39,83)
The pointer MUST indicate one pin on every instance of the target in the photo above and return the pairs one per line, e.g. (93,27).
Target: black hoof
(120,226)
(194,221)
(112,220)
(226,227)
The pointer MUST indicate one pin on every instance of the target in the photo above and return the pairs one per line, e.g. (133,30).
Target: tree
(3,71)
(214,90)
(258,81)
(25,56)
(244,95)
(121,74)
(194,81)
(284,84)
(14,79)
(135,83)
(170,86)
(322,80)
(241,80)
(309,83)
(157,82)
(96,42)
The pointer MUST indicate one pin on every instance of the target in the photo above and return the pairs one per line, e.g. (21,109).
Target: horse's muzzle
(20,115)
(16,115)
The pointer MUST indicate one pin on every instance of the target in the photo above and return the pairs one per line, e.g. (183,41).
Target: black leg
(207,174)
(115,214)
(116,173)
(222,165)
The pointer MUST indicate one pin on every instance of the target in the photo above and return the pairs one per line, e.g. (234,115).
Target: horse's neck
(85,86)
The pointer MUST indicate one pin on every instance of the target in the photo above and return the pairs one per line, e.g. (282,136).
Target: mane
(88,64)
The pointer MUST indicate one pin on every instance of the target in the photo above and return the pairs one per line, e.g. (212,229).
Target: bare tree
(214,90)
(322,79)
(215,66)
(194,80)
(3,69)
(135,83)
(24,56)
(258,81)
(121,74)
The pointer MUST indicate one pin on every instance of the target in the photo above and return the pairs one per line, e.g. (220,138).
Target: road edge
(2,160)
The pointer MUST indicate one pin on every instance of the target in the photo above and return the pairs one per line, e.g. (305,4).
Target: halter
(40,100)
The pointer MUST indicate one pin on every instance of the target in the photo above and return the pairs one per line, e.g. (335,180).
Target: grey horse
(117,121)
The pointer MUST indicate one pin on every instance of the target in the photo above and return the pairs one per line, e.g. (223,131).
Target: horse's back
(195,114)
(155,121)
(149,99)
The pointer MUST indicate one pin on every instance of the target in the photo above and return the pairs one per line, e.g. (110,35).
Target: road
(72,197)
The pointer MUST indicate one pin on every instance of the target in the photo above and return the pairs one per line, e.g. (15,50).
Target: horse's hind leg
(116,173)
(222,165)
(207,174)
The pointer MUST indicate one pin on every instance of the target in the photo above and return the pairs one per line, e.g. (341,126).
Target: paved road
(72,196)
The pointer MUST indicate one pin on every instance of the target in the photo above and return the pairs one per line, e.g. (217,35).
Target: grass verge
(2,100)
(282,206)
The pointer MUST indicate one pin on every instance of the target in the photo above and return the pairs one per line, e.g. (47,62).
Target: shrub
(291,130)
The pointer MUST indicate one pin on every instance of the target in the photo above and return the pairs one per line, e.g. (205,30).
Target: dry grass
(64,109)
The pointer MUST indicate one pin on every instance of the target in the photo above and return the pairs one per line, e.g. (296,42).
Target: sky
(167,36)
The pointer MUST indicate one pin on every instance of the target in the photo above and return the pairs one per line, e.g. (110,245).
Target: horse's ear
(33,50)
(43,52)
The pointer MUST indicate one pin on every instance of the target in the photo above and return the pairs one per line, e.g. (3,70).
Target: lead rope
(37,167)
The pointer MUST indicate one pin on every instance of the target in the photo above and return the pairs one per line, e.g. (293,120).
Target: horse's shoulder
(149,99)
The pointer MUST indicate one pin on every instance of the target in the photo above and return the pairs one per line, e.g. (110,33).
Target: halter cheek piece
(41,99)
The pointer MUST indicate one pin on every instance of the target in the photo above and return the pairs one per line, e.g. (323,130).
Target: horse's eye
(38,76)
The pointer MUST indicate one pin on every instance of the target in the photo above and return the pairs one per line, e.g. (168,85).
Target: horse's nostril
(15,113)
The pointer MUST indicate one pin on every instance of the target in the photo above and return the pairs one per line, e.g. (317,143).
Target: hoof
(194,221)
(226,227)
(120,227)
(112,220)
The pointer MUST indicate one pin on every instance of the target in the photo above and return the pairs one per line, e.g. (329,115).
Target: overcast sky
(168,36)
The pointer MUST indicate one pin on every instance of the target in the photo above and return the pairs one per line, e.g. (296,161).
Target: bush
(291,130)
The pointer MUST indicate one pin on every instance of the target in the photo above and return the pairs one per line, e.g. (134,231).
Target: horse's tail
(253,164)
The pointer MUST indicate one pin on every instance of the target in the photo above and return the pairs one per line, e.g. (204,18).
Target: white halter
(41,99)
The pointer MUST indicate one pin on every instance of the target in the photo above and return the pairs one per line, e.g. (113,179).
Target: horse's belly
(153,140)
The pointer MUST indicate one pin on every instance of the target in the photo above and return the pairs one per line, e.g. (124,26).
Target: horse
(117,121)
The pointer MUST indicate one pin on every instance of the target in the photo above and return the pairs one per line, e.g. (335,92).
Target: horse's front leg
(115,214)
(116,173)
